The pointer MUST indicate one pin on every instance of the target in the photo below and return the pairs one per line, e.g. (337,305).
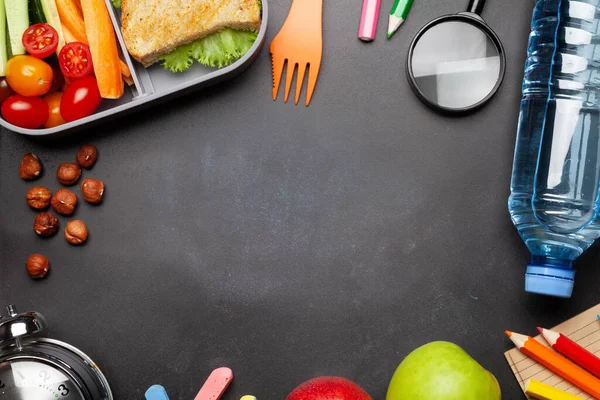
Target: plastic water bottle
(554,190)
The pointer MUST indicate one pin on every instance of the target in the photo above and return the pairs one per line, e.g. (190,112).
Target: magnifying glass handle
(476,6)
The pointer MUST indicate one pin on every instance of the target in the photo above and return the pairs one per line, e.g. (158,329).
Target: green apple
(442,371)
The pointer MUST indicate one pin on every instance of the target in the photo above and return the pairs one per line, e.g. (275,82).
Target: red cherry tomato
(5,90)
(58,80)
(40,40)
(25,112)
(75,60)
(80,99)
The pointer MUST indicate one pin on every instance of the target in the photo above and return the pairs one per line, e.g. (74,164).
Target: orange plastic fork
(300,43)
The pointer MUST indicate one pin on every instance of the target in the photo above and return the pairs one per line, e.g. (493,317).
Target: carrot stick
(72,19)
(126,73)
(78,4)
(129,81)
(103,45)
(124,69)
(69,37)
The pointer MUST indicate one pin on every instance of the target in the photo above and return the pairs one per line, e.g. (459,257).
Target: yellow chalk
(248,397)
(541,391)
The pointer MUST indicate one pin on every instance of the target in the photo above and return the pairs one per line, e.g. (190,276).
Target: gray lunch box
(154,83)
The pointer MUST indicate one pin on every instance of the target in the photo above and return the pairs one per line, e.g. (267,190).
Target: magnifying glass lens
(455,65)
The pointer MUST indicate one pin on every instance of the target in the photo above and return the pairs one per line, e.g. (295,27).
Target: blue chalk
(156,392)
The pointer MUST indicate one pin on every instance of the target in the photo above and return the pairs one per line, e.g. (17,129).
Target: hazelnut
(64,202)
(87,155)
(31,168)
(38,197)
(92,190)
(76,232)
(68,173)
(37,266)
(45,224)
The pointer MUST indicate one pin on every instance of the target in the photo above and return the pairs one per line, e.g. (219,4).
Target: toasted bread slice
(152,28)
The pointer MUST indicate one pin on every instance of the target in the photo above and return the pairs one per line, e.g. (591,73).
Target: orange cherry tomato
(29,76)
(55,118)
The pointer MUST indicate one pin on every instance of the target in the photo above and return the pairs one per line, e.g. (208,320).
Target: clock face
(34,380)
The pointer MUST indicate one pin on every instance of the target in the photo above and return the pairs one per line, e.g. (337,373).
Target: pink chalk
(215,385)
(368,20)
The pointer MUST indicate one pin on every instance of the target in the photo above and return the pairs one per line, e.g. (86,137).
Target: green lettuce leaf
(222,48)
(179,59)
(217,50)
(116,3)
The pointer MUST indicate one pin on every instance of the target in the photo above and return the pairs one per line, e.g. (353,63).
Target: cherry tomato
(25,112)
(55,119)
(58,80)
(75,60)
(5,90)
(40,40)
(80,99)
(29,76)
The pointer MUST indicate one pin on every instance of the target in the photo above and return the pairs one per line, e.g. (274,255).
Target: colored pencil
(572,350)
(398,15)
(368,20)
(556,363)
(541,391)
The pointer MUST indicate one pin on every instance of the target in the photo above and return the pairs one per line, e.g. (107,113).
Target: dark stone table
(288,242)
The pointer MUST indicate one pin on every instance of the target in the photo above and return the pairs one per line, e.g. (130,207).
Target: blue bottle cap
(549,280)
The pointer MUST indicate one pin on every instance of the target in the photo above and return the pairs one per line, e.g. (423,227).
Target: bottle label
(581,10)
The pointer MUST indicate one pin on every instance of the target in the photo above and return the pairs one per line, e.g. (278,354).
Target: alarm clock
(37,368)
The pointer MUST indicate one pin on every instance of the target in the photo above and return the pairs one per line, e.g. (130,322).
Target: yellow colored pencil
(541,391)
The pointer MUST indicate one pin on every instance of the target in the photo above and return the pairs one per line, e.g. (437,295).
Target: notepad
(583,329)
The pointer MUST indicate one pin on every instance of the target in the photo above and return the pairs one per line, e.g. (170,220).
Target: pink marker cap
(368,20)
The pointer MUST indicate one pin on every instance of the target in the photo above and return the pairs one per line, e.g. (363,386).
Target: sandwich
(177,32)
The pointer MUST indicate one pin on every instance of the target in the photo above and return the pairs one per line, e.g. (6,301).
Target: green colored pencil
(398,14)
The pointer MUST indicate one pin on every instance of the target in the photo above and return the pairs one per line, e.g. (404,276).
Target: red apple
(328,388)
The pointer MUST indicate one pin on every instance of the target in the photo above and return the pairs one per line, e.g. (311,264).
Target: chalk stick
(156,392)
(216,384)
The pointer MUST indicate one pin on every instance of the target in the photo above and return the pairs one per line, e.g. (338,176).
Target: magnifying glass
(456,62)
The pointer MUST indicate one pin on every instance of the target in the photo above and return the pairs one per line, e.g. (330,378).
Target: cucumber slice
(17,16)
(51,13)
(3,46)
(36,14)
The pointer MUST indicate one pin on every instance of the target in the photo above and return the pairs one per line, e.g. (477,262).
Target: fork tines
(278,65)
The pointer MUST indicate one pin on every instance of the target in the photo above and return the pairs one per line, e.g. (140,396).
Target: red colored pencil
(572,350)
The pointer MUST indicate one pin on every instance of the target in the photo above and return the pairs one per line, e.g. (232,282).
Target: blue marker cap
(549,280)
(156,392)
